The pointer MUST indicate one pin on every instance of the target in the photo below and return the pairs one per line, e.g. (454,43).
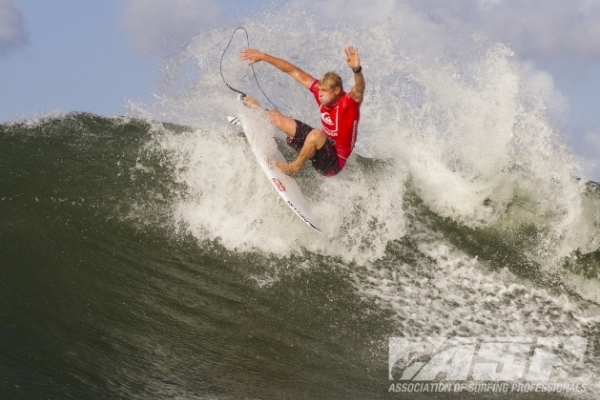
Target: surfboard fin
(234,121)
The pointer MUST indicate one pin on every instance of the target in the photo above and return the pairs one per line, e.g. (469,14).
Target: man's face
(327,95)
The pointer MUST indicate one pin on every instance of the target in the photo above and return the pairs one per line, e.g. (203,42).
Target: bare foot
(250,101)
(288,169)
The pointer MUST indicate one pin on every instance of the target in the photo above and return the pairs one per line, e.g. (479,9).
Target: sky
(70,55)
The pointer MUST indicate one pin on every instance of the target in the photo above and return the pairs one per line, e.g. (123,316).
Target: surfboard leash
(242,94)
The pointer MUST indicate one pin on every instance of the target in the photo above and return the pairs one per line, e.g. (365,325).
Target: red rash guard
(340,121)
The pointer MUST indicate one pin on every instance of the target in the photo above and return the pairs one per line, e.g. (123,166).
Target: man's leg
(282,122)
(314,140)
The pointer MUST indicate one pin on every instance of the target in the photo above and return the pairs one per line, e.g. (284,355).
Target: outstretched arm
(353,61)
(254,56)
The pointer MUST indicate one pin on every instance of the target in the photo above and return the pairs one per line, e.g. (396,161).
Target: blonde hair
(332,80)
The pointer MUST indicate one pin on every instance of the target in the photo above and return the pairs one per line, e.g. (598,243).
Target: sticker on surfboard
(280,186)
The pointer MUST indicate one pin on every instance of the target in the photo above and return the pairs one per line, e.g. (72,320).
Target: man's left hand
(352,58)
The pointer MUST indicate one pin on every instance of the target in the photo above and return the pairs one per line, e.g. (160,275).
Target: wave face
(153,259)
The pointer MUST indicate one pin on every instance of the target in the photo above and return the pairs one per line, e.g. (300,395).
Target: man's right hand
(252,56)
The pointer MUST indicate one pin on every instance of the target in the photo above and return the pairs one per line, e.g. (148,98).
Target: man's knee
(317,138)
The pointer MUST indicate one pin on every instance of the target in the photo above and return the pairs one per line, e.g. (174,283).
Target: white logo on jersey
(326,118)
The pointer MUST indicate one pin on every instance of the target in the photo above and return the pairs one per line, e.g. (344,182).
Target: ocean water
(147,257)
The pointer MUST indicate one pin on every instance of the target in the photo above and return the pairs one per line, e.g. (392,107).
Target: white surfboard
(266,151)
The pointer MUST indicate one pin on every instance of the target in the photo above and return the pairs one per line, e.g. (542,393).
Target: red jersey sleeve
(314,88)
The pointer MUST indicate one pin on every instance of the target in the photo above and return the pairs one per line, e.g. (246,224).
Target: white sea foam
(472,129)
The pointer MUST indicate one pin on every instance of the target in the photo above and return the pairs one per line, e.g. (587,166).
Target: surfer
(329,148)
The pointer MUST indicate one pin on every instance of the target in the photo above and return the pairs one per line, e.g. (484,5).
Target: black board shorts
(325,160)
